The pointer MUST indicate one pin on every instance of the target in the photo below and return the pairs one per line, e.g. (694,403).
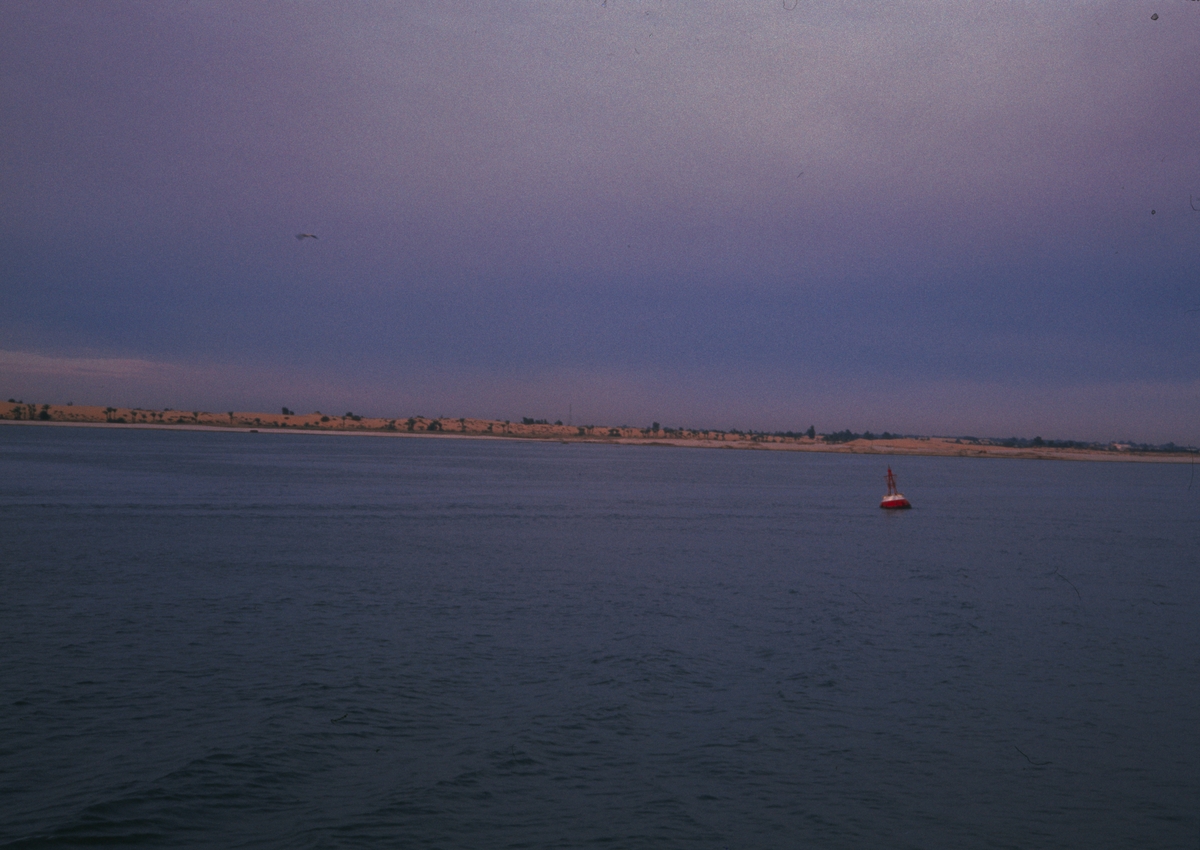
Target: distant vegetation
(18,409)
(1039,443)
(849,436)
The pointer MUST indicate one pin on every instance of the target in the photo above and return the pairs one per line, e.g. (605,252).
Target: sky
(951,218)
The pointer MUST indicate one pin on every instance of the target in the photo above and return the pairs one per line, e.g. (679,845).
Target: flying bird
(303,236)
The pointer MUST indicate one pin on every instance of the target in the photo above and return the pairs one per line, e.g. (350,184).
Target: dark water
(239,640)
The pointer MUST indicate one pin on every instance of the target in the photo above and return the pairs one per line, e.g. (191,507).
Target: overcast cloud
(942,218)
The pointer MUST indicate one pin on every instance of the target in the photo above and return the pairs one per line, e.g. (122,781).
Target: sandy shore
(420,426)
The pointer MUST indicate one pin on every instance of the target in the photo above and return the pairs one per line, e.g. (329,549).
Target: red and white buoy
(893,499)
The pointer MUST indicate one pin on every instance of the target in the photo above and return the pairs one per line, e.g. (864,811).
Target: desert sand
(422,426)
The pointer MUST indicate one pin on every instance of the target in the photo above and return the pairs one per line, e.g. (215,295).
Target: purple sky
(917,217)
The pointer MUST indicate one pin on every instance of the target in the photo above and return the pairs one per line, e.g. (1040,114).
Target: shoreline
(486,429)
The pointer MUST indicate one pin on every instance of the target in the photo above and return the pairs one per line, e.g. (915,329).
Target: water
(268,640)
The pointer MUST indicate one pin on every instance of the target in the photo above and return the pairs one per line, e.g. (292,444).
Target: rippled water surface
(282,640)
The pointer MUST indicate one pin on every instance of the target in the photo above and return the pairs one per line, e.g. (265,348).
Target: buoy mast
(894,499)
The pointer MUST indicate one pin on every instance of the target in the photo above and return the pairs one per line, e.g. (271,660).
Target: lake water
(283,640)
